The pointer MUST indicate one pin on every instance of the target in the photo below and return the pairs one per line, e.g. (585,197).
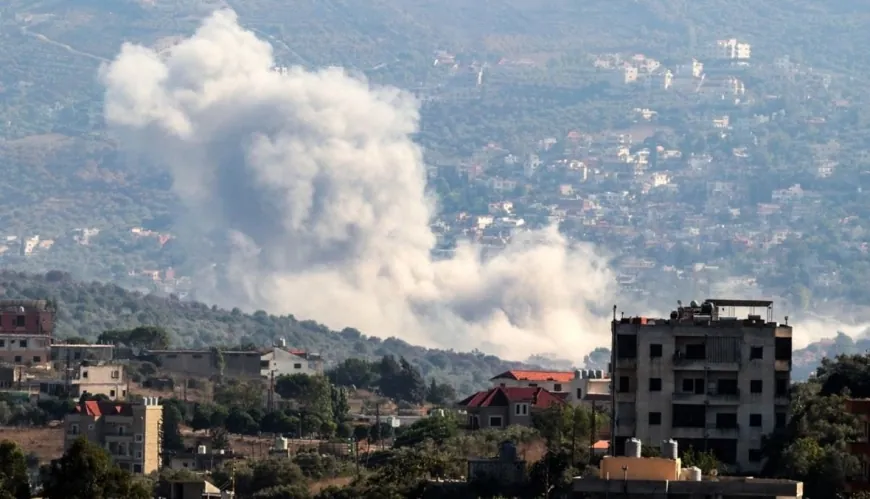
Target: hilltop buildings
(26,328)
(704,377)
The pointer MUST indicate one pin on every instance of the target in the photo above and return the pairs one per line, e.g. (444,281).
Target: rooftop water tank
(281,443)
(695,474)
(599,374)
(669,449)
(633,447)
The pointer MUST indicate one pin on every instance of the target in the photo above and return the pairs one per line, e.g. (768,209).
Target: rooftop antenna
(786,320)
(614,313)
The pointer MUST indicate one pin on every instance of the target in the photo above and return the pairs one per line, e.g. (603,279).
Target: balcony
(688,397)
(627,363)
(724,398)
(687,432)
(782,365)
(714,431)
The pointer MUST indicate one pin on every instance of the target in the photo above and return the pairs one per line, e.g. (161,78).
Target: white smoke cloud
(316,178)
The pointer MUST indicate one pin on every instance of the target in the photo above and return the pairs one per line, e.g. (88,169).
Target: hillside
(87,309)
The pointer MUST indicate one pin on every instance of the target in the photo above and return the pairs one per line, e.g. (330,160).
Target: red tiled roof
(502,396)
(98,408)
(560,376)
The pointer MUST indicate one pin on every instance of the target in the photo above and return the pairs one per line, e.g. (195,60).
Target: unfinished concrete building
(704,377)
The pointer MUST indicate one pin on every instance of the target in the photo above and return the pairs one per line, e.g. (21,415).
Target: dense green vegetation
(89,310)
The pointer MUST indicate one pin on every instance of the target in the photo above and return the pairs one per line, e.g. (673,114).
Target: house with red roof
(584,387)
(501,407)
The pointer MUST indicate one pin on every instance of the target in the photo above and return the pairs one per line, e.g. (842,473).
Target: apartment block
(704,377)
(26,328)
(131,433)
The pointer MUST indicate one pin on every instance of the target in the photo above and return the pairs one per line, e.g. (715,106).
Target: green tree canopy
(86,472)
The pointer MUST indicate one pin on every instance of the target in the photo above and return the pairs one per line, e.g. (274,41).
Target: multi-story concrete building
(130,433)
(26,328)
(704,377)
(94,379)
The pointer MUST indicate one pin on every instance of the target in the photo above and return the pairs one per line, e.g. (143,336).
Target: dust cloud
(314,178)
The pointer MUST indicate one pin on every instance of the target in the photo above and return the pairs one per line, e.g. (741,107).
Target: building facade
(703,377)
(130,433)
(26,328)
(502,407)
(103,379)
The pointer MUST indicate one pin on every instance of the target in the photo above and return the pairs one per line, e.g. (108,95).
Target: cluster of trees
(398,380)
(87,310)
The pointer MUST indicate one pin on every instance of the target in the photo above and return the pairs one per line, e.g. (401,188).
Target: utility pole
(378,422)
(271,390)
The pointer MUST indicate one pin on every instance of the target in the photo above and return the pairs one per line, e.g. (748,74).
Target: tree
(354,372)
(340,406)
(149,337)
(241,422)
(440,393)
(413,386)
(172,420)
(86,472)
(313,393)
(705,461)
(14,481)
(201,417)
(435,428)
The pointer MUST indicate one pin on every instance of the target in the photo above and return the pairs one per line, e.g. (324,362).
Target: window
(137,438)
(90,427)
(19,321)
(755,420)
(116,374)
(495,421)
(655,384)
(780,420)
(37,358)
(73,429)
(297,366)
(17,358)
(623,384)
(726,420)
(22,343)
(755,386)
(697,351)
(756,353)
(521,409)
(137,468)
(264,364)
(123,393)
(138,454)
(781,387)
(2,343)
(754,455)
(655,418)
(111,393)
(655,350)
(121,430)
(557,387)
(77,356)
(85,374)
(579,394)
(197,356)
(693,385)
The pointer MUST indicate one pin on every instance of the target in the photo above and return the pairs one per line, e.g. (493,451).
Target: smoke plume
(314,176)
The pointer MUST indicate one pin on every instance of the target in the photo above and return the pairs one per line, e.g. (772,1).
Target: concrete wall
(203,363)
(654,468)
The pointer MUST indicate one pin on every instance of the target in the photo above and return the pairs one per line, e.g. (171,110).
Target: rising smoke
(315,178)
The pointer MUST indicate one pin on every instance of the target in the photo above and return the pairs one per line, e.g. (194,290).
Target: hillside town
(713,376)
